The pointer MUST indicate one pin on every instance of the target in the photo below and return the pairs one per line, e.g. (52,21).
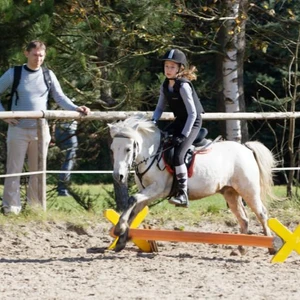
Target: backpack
(17,77)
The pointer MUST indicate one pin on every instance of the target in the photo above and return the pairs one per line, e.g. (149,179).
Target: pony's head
(128,136)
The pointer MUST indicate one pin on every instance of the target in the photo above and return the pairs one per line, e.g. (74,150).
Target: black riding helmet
(177,56)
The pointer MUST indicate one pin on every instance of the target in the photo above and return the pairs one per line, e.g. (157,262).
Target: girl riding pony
(179,94)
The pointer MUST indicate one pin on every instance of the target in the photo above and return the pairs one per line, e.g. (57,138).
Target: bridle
(135,149)
(154,157)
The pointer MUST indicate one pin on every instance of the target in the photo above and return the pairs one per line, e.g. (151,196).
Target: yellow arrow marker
(292,240)
(114,217)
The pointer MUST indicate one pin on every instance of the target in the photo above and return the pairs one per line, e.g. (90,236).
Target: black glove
(177,140)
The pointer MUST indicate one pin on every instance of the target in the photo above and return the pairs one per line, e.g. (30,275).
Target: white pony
(234,170)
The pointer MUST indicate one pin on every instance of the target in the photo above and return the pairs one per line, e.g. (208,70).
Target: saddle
(199,142)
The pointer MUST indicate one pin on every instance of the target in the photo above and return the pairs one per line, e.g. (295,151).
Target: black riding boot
(181,199)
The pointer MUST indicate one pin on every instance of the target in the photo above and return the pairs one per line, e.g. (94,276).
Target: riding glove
(177,140)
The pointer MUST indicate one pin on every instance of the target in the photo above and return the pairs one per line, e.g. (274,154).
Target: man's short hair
(35,44)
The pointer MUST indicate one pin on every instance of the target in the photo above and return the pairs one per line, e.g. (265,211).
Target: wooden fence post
(42,161)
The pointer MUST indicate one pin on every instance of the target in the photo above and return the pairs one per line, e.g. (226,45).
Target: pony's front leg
(122,225)
(136,203)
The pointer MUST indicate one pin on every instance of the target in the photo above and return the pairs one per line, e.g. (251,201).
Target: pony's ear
(112,129)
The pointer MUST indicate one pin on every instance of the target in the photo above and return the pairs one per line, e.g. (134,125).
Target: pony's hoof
(277,244)
(121,243)
(120,229)
(272,251)
(117,231)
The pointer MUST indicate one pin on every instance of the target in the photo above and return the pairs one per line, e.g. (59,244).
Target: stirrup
(180,200)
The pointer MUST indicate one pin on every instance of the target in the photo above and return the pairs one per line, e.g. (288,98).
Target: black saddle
(200,140)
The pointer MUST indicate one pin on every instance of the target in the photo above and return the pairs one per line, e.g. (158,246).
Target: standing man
(31,95)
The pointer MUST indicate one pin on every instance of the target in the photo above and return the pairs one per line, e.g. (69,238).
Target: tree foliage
(106,55)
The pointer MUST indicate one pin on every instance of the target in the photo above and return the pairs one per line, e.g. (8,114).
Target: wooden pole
(201,237)
(121,115)
(42,161)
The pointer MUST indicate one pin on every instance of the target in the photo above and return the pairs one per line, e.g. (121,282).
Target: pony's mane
(131,127)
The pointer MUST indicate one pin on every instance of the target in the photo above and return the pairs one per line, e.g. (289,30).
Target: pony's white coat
(229,168)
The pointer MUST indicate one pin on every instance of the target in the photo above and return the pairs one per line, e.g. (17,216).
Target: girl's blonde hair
(189,73)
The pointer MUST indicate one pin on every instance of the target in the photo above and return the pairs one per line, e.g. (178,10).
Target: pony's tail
(266,162)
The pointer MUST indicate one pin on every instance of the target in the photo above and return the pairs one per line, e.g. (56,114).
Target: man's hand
(13,122)
(83,109)
(177,140)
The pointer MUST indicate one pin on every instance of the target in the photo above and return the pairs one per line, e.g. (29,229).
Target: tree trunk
(293,83)
(233,41)
(241,45)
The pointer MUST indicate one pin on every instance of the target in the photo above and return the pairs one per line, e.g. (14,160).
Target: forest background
(106,54)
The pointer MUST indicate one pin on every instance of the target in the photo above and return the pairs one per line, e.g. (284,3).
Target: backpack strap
(47,78)
(48,82)
(17,77)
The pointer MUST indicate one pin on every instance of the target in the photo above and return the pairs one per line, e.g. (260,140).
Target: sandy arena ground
(56,261)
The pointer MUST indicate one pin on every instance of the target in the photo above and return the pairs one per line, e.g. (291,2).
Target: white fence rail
(110,117)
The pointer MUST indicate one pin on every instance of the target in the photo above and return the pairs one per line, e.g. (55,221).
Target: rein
(157,156)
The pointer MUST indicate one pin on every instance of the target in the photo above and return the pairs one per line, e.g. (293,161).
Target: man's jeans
(66,140)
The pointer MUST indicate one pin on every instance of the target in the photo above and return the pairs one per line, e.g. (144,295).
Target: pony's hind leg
(237,207)
(261,213)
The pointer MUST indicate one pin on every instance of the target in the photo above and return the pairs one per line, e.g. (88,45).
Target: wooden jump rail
(201,237)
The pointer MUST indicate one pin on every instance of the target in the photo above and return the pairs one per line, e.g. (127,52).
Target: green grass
(96,198)
(66,209)
(99,196)
(211,207)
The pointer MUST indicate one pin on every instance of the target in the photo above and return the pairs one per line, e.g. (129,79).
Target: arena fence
(43,116)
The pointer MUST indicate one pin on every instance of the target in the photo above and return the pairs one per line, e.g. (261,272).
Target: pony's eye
(128,150)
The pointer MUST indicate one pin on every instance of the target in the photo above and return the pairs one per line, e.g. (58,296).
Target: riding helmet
(177,56)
